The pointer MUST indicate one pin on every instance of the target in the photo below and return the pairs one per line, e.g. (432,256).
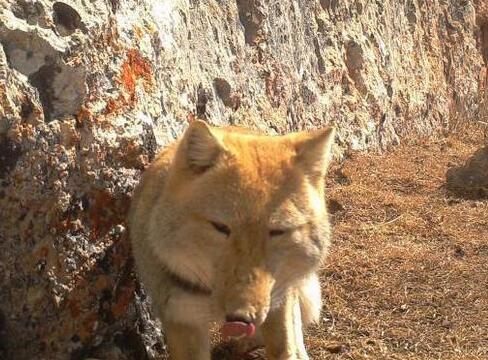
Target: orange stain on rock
(74,308)
(124,299)
(134,68)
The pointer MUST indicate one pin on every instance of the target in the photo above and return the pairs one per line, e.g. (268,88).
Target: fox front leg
(282,332)
(187,342)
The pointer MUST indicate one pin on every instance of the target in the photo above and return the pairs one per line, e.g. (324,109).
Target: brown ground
(407,276)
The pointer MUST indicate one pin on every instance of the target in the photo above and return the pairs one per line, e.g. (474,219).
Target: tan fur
(219,180)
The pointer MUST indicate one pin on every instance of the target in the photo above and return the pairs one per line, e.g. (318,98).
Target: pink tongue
(237,329)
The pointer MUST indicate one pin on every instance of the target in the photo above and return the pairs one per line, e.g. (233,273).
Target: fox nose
(238,318)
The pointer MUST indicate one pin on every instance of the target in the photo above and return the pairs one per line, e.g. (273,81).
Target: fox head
(245,214)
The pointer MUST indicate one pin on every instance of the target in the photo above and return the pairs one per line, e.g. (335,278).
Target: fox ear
(202,146)
(314,150)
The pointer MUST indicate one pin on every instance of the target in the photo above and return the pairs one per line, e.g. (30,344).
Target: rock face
(89,90)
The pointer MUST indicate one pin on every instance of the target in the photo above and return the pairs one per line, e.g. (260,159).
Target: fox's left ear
(202,146)
(314,150)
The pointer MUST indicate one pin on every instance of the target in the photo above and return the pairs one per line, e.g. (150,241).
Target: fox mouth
(237,328)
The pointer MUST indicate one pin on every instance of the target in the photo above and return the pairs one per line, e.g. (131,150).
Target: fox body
(231,226)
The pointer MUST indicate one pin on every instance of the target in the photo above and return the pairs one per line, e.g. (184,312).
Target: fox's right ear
(202,146)
(314,150)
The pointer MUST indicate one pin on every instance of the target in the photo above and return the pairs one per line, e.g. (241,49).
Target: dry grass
(407,276)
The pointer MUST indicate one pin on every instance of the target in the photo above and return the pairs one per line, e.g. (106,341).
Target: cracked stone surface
(89,90)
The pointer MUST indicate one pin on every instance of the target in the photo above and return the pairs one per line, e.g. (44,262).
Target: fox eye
(221,228)
(276,232)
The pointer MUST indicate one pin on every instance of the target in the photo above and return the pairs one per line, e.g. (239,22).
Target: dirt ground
(407,275)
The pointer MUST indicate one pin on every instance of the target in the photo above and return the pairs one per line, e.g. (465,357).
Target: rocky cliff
(89,90)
